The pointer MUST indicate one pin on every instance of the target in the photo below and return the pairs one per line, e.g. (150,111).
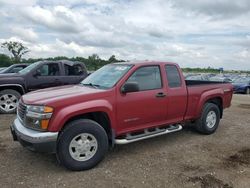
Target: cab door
(46,75)
(176,94)
(146,107)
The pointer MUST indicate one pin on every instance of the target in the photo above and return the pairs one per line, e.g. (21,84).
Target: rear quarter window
(173,76)
(74,70)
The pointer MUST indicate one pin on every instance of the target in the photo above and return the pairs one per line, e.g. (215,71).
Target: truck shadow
(156,142)
(118,153)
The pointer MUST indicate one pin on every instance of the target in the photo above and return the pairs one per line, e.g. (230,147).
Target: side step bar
(148,134)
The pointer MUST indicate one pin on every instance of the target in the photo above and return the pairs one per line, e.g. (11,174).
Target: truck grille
(21,111)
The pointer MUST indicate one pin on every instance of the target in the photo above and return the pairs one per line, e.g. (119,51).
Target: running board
(147,133)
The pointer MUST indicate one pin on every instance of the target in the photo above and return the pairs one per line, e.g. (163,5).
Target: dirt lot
(183,159)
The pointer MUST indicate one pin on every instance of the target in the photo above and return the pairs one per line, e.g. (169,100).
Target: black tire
(10,93)
(74,128)
(201,125)
(248,91)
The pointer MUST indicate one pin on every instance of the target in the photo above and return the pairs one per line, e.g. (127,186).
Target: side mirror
(130,87)
(37,73)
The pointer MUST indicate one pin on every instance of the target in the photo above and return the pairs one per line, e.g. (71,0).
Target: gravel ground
(182,159)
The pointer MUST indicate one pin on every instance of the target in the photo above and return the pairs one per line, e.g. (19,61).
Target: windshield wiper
(92,85)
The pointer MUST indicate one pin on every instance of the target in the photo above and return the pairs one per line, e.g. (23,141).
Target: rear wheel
(8,101)
(209,120)
(82,145)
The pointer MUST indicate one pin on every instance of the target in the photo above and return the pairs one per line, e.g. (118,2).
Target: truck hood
(7,75)
(65,94)
(11,79)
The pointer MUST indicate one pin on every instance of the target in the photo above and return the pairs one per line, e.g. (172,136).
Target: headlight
(39,109)
(37,117)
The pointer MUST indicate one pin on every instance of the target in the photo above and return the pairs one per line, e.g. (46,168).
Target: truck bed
(201,82)
(200,90)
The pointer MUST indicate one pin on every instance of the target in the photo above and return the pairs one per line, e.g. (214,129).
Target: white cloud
(57,18)
(222,8)
(192,33)
(60,48)
(26,34)
(243,55)
(18,2)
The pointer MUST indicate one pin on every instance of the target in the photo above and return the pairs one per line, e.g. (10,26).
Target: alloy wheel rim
(8,102)
(211,119)
(83,147)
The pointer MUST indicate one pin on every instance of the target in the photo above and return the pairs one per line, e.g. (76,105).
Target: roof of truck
(145,62)
(64,61)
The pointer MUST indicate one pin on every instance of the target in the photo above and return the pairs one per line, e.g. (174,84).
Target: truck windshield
(29,68)
(107,76)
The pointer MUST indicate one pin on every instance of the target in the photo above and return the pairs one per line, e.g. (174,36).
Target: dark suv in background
(14,68)
(39,75)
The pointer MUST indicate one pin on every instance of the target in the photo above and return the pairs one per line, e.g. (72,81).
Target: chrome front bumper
(34,140)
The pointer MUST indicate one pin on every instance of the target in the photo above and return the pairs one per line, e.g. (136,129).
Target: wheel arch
(100,117)
(217,101)
(17,87)
(212,96)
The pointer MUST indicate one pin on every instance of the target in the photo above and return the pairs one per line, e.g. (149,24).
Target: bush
(5,60)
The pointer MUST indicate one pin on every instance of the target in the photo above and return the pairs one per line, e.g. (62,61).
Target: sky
(198,33)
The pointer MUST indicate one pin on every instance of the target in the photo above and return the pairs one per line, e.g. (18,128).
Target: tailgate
(228,94)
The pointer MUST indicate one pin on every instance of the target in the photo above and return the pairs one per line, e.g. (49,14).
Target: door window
(147,78)
(49,70)
(74,70)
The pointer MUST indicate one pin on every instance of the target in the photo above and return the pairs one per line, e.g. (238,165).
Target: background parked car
(220,79)
(202,77)
(14,68)
(39,75)
(2,69)
(241,82)
(242,85)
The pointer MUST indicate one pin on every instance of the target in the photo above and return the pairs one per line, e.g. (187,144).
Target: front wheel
(8,101)
(82,145)
(209,120)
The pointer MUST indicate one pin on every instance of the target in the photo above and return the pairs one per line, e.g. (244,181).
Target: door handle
(57,80)
(161,94)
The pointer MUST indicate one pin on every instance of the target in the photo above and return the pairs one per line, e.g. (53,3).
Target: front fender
(19,86)
(61,116)
(207,95)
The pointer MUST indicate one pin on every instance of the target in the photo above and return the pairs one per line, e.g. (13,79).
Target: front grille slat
(21,110)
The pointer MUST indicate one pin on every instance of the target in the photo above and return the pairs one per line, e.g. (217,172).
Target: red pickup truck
(118,104)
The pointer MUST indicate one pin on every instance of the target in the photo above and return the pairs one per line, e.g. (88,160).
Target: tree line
(92,62)
(17,50)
